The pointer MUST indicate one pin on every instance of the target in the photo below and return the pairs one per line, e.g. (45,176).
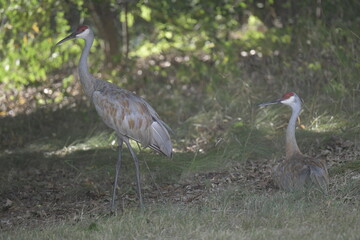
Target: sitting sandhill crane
(130,116)
(297,170)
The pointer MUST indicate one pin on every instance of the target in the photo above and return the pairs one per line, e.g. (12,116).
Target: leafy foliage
(26,40)
(219,30)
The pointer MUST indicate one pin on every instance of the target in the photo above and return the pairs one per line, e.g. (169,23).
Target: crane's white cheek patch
(288,101)
(83,34)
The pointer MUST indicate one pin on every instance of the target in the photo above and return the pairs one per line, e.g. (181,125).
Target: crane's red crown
(287,95)
(81,29)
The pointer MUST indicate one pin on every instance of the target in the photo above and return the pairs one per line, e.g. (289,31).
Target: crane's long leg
(117,172)
(136,162)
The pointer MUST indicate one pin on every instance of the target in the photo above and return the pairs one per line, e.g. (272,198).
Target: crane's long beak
(71,36)
(270,103)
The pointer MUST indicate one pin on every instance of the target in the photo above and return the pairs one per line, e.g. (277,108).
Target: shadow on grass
(48,127)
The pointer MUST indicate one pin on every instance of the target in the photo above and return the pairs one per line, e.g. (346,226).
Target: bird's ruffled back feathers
(133,117)
(301,171)
(161,139)
(319,176)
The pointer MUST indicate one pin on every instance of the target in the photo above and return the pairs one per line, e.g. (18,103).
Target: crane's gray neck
(291,144)
(87,80)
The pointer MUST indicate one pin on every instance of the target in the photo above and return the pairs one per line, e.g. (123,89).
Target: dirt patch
(46,196)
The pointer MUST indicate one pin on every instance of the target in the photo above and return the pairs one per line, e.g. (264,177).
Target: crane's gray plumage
(130,116)
(297,170)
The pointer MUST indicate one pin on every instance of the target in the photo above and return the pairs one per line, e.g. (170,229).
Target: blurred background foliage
(219,32)
(225,55)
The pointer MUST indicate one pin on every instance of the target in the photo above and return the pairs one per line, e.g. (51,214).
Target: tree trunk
(105,21)
(125,31)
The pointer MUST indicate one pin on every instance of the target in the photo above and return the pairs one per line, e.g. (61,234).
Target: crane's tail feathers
(160,141)
(157,149)
(319,176)
(167,127)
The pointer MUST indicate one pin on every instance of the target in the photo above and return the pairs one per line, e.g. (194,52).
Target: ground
(46,191)
(57,164)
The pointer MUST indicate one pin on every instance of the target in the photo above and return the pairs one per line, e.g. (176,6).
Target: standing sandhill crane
(297,170)
(130,116)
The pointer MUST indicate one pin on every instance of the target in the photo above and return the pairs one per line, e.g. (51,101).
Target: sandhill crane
(130,116)
(297,170)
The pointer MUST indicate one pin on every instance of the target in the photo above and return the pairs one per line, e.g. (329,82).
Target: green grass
(84,156)
(233,213)
(236,211)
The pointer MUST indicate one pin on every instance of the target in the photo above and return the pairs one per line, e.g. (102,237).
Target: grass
(234,213)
